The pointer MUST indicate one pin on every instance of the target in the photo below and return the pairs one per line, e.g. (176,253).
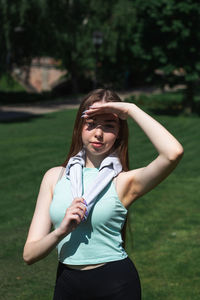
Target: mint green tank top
(98,239)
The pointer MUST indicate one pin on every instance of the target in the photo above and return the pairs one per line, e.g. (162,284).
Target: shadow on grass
(17,116)
(22,97)
(11,98)
(166,111)
(46,101)
(168,103)
(175,110)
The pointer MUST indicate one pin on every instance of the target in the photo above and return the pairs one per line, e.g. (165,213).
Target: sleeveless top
(98,239)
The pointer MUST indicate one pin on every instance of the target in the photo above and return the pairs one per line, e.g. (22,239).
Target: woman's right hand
(121,109)
(73,217)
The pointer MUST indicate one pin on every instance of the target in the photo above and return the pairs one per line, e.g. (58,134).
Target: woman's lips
(97,144)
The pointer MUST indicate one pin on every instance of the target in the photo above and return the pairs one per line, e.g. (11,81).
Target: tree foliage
(139,37)
(22,31)
(117,25)
(168,38)
(64,29)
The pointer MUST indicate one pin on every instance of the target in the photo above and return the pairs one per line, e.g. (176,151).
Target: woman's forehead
(105,117)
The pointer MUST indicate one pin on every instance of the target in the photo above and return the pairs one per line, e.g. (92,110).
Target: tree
(71,37)
(21,37)
(116,20)
(64,29)
(168,38)
(138,37)
(73,31)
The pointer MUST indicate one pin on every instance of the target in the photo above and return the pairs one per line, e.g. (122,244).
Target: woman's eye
(109,126)
(90,124)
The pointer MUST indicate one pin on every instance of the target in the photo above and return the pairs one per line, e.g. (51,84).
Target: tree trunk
(188,102)
(72,68)
(75,88)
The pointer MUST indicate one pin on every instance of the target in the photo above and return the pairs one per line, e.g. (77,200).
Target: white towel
(109,168)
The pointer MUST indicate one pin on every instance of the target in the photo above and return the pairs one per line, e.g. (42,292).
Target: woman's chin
(98,151)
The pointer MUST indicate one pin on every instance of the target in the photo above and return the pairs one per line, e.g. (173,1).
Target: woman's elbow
(28,259)
(177,154)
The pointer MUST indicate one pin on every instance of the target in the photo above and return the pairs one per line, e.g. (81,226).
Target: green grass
(165,243)
(170,103)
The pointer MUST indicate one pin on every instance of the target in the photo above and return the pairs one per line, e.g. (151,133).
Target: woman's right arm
(41,240)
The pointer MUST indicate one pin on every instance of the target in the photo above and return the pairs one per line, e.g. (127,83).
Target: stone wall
(42,75)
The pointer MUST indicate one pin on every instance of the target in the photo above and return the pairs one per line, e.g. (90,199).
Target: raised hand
(117,108)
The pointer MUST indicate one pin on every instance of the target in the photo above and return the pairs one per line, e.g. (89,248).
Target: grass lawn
(164,238)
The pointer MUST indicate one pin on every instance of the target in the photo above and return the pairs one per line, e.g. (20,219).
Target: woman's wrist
(59,234)
(130,109)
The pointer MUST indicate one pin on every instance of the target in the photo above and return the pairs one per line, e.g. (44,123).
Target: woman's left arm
(170,151)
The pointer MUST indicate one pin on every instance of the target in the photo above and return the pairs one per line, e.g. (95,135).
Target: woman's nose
(98,132)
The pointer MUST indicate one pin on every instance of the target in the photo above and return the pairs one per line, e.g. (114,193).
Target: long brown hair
(121,143)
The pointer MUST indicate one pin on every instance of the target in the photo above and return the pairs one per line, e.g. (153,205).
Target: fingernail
(83,115)
(85,202)
(84,219)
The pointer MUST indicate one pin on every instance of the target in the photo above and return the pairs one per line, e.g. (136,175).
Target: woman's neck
(93,161)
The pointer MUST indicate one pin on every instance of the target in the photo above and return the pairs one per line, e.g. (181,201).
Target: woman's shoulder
(52,172)
(52,175)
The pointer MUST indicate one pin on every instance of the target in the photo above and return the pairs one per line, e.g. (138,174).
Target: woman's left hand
(117,108)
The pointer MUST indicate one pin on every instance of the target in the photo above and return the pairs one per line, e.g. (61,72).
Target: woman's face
(99,133)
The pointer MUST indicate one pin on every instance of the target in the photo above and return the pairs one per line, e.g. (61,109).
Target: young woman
(92,261)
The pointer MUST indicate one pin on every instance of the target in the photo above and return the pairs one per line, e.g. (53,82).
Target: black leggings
(116,280)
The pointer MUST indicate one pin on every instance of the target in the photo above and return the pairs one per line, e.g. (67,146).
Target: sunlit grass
(165,222)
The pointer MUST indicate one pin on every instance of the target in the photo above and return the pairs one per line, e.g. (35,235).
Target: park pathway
(22,111)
